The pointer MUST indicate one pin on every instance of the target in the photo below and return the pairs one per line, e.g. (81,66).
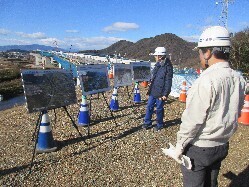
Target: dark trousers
(206,162)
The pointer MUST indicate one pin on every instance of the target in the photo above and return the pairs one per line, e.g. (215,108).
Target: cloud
(51,42)
(4,31)
(197,28)
(120,26)
(91,43)
(13,41)
(78,43)
(189,26)
(72,31)
(36,35)
(244,24)
(209,20)
(193,38)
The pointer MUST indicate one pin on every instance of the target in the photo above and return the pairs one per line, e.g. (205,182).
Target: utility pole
(224,12)
(170,56)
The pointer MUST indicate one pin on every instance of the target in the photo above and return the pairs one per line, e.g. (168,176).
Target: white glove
(176,154)
(186,162)
(171,152)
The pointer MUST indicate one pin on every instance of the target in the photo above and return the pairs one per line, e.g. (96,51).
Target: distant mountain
(29,47)
(180,50)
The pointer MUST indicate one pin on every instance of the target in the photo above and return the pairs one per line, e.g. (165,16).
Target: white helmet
(215,36)
(160,51)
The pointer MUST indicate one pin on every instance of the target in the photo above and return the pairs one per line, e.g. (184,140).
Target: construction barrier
(45,142)
(183,94)
(110,75)
(137,96)
(114,101)
(144,84)
(244,117)
(83,116)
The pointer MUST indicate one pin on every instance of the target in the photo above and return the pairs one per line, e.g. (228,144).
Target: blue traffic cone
(45,142)
(137,96)
(114,102)
(83,117)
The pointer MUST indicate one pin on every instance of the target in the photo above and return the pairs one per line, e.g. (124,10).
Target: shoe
(146,126)
(158,128)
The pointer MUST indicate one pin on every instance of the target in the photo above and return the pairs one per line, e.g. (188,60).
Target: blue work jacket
(161,81)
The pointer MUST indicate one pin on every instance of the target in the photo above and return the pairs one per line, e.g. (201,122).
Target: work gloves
(176,154)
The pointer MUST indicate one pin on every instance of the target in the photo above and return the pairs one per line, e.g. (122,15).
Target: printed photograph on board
(93,78)
(122,75)
(48,89)
(141,71)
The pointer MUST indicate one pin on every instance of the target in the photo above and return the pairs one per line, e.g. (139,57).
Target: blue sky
(96,24)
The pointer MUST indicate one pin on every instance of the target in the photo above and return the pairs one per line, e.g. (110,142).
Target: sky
(96,24)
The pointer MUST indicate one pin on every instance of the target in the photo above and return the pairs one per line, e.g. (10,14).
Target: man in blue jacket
(159,89)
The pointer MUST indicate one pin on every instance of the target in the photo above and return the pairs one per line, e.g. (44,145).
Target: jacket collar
(216,66)
(161,63)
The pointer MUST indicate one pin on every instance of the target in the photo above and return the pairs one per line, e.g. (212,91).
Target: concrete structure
(47,61)
(38,58)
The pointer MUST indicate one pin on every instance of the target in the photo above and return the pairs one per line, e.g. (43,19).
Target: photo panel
(141,71)
(122,75)
(48,89)
(93,78)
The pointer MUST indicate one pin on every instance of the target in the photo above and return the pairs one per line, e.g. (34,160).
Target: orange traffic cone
(183,94)
(111,75)
(144,84)
(244,116)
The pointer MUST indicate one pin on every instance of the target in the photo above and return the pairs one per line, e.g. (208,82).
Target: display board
(141,71)
(48,89)
(122,75)
(93,78)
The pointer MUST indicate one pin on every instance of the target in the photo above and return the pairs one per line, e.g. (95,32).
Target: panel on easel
(48,89)
(93,78)
(141,71)
(122,75)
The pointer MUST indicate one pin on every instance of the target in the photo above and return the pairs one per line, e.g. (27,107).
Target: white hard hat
(160,51)
(215,36)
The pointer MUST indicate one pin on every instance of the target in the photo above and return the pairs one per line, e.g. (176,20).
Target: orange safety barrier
(244,117)
(183,94)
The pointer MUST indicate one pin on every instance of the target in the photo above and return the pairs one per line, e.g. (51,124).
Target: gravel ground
(118,152)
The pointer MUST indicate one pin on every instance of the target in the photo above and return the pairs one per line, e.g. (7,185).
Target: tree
(239,56)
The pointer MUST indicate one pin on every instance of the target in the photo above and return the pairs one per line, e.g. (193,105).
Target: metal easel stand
(74,125)
(113,118)
(36,140)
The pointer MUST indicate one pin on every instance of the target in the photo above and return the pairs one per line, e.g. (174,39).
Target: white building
(38,58)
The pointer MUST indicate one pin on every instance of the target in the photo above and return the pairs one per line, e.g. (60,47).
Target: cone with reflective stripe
(183,94)
(114,101)
(137,96)
(83,116)
(244,117)
(46,142)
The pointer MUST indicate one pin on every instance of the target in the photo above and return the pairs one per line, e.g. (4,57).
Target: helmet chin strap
(206,63)
(206,60)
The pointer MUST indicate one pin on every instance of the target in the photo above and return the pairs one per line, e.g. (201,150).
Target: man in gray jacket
(213,105)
